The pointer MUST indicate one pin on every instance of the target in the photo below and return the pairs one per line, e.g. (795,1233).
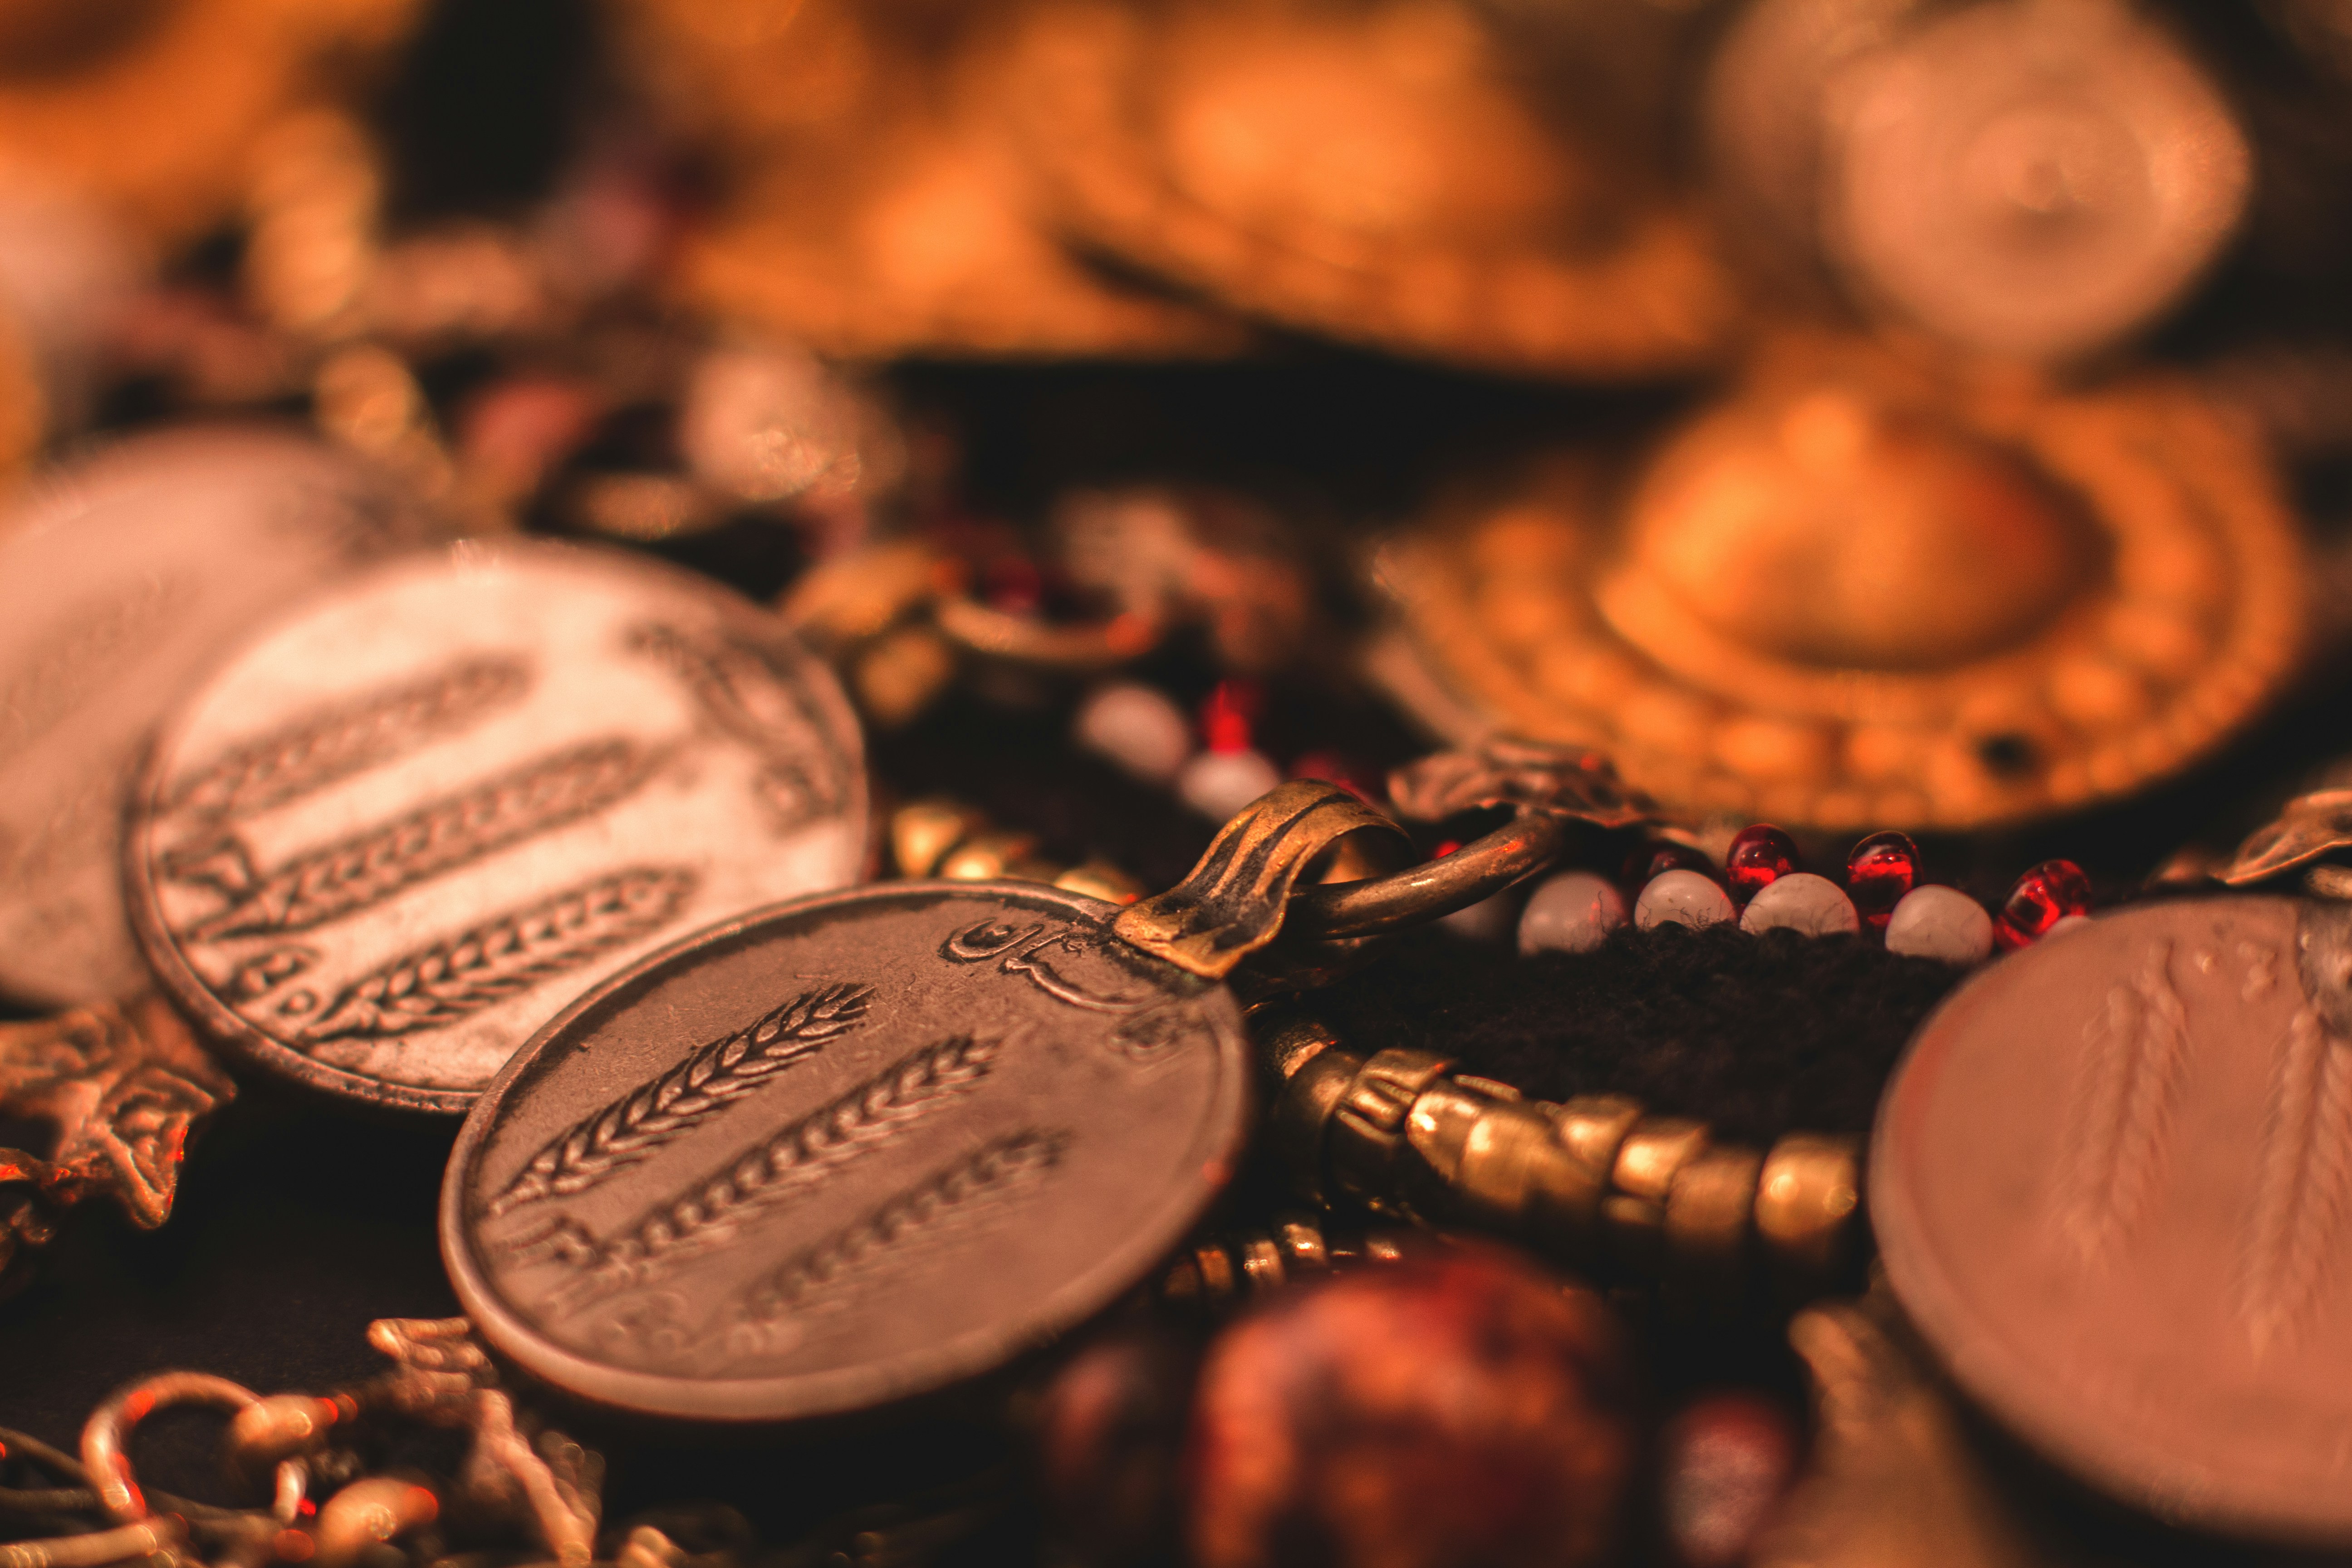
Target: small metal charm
(124,1087)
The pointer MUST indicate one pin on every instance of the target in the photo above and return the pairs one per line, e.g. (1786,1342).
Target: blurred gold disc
(1367,172)
(152,107)
(874,202)
(1853,596)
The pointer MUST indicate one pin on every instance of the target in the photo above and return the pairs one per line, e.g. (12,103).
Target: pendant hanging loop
(1232,903)
(1241,895)
(1549,787)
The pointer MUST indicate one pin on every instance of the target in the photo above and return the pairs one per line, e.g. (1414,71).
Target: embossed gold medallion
(1369,172)
(1855,596)
(842,1151)
(2112,1183)
(874,204)
(120,580)
(394,833)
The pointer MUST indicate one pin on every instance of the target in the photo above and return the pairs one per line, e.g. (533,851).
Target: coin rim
(2075,1433)
(124,468)
(1225,1129)
(221,1025)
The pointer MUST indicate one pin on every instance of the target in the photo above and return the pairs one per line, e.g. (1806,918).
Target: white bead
(1219,783)
(1135,727)
(1681,898)
(1572,913)
(1488,920)
(1803,903)
(1940,922)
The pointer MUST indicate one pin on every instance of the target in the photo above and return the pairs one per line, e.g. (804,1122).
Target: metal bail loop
(1548,788)
(1232,903)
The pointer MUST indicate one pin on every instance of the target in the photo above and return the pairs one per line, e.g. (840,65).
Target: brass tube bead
(1596,1182)
(1367,1129)
(946,839)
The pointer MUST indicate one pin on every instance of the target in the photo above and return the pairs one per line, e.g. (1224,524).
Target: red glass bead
(1229,714)
(1652,861)
(1882,869)
(2042,898)
(1330,767)
(1014,585)
(1760,856)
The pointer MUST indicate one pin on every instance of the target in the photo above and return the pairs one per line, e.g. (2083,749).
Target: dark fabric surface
(1761,1034)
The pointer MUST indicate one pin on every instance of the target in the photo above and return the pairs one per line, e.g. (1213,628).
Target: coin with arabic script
(2112,1183)
(845,1151)
(120,578)
(399,830)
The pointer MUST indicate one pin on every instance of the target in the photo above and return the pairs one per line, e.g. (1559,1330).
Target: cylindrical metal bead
(1806,1207)
(1568,1176)
(1710,1211)
(1296,1128)
(922,832)
(1260,1261)
(1495,1181)
(1633,1214)
(1369,1124)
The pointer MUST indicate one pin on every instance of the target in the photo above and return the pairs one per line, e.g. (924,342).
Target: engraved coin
(120,580)
(2112,1183)
(842,1151)
(397,831)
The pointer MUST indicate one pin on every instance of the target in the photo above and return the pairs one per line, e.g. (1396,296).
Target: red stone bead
(1759,857)
(1109,1440)
(1432,1413)
(1882,869)
(2042,898)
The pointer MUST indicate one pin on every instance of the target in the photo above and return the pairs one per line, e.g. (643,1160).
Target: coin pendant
(849,1149)
(2112,1183)
(120,580)
(395,833)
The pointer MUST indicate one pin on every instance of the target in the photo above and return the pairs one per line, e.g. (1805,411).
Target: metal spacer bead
(1808,1210)
(1633,1211)
(1367,1127)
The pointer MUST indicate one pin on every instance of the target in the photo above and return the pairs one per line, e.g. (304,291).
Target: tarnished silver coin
(120,580)
(2112,1183)
(842,1151)
(394,833)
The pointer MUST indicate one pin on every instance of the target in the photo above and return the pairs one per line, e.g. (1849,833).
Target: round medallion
(842,1151)
(876,206)
(1372,172)
(120,580)
(1855,598)
(2112,1183)
(2031,177)
(399,829)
